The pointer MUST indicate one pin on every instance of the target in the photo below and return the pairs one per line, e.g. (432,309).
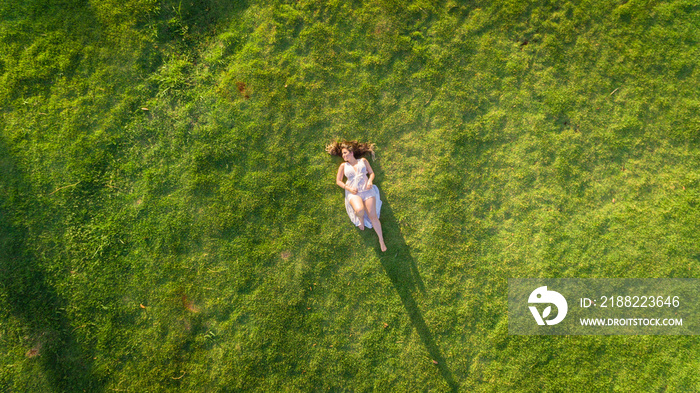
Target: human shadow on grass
(29,295)
(401,268)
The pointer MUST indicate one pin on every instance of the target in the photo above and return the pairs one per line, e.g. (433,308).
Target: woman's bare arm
(370,175)
(339,180)
(339,177)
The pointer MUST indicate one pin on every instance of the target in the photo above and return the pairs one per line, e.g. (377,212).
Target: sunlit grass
(170,222)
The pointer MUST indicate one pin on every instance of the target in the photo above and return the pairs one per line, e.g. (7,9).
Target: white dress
(359,180)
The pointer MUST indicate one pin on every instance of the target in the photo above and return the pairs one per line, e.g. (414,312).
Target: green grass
(160,231)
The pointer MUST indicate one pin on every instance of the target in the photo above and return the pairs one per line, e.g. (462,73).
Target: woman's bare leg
(371,205)
(359,207)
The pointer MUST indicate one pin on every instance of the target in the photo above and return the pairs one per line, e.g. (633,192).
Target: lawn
(169,219)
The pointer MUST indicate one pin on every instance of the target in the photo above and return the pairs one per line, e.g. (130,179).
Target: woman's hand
(369,185)
(353,190)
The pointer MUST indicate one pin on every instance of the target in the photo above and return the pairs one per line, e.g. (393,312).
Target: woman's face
(347,154)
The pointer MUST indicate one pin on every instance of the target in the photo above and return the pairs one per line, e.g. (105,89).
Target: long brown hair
(358,149)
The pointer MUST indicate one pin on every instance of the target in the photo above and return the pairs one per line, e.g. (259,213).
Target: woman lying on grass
(361,196)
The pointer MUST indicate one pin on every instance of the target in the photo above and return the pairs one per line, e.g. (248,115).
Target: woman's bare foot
(383,246)
(362,226)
